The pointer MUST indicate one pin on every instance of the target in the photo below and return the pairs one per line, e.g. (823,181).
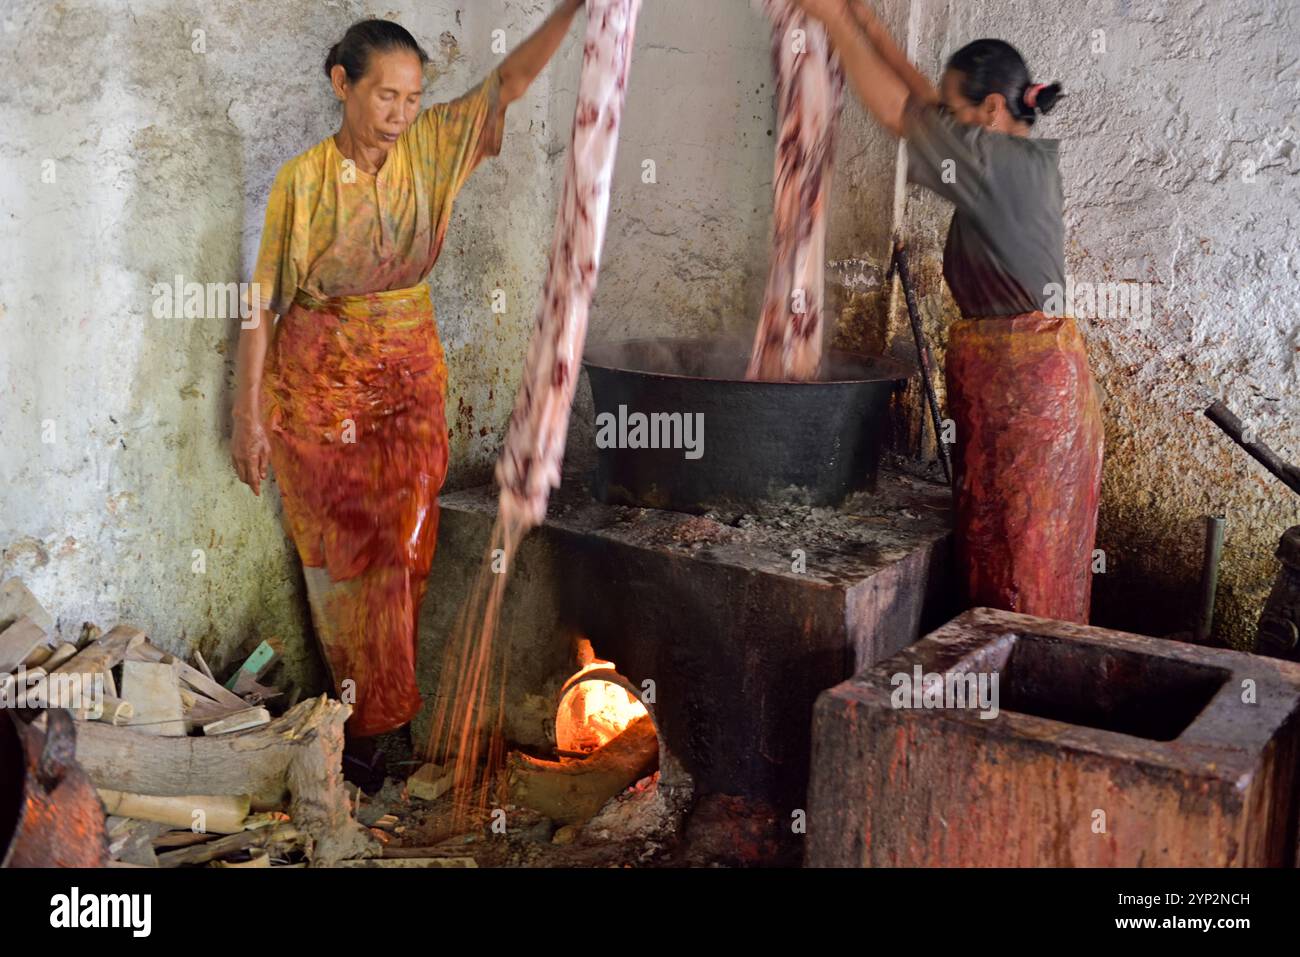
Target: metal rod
(1209,578)
(1283,471)
(899,263)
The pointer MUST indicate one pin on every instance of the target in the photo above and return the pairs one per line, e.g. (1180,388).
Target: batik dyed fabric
(1028,463)
(354,387)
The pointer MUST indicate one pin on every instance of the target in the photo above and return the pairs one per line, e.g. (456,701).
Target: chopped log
(239,721)
(62,653)
(104,653)
(298,757)
(40,654)
(18,641)
(17,602)
(90,632)
(573,791)
(231,844)
(154,691)
(220,813)
(190,675)
(107,709)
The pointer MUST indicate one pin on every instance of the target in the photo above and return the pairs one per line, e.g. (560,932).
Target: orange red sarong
(1028,463)
(353,402)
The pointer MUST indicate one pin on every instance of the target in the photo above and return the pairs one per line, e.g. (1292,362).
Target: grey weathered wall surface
(1161,134)
(115,465)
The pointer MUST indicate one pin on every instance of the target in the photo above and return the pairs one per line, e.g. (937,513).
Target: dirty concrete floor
(718,830)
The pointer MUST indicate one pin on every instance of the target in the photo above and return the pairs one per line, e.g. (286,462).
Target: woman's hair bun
(1042,96)
(366,37)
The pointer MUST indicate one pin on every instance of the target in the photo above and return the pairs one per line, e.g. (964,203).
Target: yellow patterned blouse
(333,229)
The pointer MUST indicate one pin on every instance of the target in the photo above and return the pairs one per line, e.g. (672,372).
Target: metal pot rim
(892,369)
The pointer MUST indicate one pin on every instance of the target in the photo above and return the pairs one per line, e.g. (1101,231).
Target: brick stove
(710,609)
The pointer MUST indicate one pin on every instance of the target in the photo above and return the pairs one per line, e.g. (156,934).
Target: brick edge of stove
(1247,802)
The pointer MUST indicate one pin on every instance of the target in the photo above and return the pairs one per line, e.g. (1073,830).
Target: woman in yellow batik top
(344,396)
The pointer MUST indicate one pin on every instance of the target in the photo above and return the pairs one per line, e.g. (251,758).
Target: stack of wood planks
(191,771)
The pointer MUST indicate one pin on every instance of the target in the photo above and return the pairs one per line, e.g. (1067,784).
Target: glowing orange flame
(593,712)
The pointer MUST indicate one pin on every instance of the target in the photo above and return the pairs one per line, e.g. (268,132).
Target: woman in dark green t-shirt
(1029,434)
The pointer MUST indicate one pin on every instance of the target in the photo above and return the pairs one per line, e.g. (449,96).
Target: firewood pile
(191,770)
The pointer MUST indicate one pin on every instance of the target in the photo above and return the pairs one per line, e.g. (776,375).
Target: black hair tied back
(366,37)
(1041,96)
(995,66)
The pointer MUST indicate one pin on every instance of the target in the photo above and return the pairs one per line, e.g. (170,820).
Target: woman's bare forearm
(916,82)
(250,360)
(879,88)
(522,65)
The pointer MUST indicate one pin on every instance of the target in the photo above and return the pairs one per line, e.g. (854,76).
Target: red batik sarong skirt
(1028,460)
(353,401)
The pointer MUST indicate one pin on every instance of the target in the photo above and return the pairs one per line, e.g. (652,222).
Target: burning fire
(593,712)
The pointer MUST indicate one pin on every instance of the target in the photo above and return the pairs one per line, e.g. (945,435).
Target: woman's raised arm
(877,85)
(917,83)
(524,62)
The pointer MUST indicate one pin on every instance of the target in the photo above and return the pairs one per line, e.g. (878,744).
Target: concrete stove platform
(1107,749)
(711,609)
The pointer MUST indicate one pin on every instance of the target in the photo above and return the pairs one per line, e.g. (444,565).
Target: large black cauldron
(762,442)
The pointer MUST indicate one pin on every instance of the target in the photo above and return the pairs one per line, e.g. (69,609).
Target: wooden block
(429,783)
(17,602)
(191,676)
(18,641)
(154,691)
(239,721)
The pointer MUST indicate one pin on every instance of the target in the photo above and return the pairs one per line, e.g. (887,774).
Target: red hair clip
(1031,94)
